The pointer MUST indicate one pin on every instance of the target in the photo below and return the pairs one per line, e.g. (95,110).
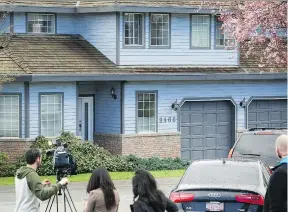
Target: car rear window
(262,145)
(229,174)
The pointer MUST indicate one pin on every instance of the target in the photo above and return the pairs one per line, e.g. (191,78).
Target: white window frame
(142,27)
(226,37)
(40,27)
(150,125)
(12,111)
(169,31)
(47,112)
(209,32)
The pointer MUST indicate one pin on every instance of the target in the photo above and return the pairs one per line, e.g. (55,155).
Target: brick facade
(15,148)
(166,145)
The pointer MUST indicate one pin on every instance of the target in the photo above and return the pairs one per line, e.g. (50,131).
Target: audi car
(224,185)
(258,143)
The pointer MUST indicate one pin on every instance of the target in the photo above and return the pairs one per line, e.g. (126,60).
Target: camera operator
(29,187)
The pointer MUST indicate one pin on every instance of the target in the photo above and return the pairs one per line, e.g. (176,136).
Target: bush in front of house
(88,157)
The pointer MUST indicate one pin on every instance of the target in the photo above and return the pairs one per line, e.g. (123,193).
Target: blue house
(150,78)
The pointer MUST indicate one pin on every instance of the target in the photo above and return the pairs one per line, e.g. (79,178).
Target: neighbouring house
(150,78)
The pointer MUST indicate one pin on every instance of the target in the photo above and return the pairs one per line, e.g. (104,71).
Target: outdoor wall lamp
(243,103)
(114,96)
(175,105)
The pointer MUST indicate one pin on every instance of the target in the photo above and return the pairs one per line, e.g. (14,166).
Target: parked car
(222,185)
(257,144)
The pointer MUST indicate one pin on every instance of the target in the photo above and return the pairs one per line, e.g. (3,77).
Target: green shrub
(89,156)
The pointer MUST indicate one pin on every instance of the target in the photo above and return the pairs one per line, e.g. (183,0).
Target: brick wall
(15,148)
(110,142)
(145,145)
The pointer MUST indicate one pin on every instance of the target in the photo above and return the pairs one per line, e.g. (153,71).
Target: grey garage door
(267,113)
(207,129)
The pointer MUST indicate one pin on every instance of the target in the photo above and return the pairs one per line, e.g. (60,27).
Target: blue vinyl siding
(170,91)
(180,52)
(17,88)
(107,110)
(5,23)
(69,90)
(100,31)
(67,24)
(19,22)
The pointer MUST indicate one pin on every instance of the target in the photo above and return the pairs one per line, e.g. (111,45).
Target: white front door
(86,118)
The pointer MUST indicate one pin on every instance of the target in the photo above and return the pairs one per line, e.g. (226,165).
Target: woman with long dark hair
(103,196)
(150,199)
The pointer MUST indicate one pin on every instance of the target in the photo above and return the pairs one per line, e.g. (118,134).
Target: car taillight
(178,197)
(230,153)
(252,199)
(264,133)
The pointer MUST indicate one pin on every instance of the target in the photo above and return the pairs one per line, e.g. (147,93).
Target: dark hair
(32,155)
(145,187)
(100,178)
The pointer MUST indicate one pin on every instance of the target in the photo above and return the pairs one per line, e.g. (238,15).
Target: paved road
(77,190)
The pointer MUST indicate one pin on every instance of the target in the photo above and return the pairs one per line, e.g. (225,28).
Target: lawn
(114,176)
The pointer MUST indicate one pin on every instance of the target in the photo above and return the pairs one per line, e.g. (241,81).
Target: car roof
(273,130)
(226,160)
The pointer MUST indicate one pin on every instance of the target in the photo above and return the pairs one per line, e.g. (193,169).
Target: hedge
(90,156)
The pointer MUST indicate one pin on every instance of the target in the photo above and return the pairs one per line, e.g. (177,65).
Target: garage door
(267,113)
(207,129)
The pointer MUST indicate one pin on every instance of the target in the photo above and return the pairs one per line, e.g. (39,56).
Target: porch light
(175,105)
(243,103)
(114,96)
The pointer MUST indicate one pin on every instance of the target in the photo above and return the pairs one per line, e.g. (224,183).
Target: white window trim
(156,111)
(169,31)
(19,114)
(40,112)
(143,31)
(47,14)
(191,30)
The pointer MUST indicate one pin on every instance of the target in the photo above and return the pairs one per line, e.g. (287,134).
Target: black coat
(142,205)
(276,196)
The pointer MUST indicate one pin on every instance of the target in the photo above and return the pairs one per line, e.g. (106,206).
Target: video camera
(63,162)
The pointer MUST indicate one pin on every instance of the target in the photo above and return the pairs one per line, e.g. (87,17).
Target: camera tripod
(67,200)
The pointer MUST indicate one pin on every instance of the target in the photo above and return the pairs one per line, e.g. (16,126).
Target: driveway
(77,191)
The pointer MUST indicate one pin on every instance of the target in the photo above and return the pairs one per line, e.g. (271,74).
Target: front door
(86,118)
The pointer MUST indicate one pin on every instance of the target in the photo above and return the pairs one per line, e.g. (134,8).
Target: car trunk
(219,200)
(270,161)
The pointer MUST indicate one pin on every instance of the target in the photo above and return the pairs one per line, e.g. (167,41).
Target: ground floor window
(9,116)
(51,114)
(146,112)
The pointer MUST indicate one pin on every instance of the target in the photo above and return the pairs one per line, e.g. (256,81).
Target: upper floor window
(134,29)
(146,112)
(200,31)
(51,114)
(9,116)
(222,38)
(160,30)
(41,23)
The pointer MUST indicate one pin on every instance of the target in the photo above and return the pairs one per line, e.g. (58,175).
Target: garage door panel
(211,142)
(197,118)
(211,127)
(186,155)
(269,113)
(222,153)
(185,143)
(197,142)
(185,117)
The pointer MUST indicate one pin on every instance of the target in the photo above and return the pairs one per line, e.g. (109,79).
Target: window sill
(160,47)
(133,47)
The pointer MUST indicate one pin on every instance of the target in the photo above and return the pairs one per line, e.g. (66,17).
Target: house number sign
(167,119)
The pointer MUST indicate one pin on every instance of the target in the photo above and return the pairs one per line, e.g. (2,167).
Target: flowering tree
(259,23)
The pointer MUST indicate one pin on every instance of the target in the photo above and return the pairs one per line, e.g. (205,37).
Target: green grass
(114,176)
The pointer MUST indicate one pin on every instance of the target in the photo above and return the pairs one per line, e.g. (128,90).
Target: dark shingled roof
(97,3)
(53,54)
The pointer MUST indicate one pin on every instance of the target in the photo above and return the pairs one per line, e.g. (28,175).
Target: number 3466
(167,119)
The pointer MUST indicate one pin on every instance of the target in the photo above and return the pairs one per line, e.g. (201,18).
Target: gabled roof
(52,54)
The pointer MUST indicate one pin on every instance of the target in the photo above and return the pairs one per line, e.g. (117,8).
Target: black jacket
(276,196)
(142,205)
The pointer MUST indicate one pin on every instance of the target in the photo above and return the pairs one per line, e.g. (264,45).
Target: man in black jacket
(276,196)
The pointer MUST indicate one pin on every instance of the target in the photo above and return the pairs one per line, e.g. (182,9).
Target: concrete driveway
(77,191)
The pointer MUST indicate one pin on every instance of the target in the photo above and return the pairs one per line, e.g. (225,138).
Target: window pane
(133,28)
(160,30)
(9,116)
(41,23)
(51,115)
(146,116)
(200,32)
